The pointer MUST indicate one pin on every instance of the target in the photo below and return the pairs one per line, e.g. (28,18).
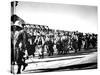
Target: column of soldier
(58,42)
(49,43)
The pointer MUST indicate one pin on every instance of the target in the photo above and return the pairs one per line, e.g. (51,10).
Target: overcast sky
(59,16)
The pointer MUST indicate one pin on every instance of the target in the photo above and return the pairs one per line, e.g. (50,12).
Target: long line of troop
(51,44)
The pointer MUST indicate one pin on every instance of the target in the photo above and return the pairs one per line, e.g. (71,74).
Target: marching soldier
(20,47)
(50,47)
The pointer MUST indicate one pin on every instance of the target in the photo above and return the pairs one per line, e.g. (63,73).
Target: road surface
(78,61)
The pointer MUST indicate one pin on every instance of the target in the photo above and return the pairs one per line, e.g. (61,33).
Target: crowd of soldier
(32,40)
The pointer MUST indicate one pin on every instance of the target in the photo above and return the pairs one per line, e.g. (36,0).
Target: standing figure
(75,44)
(21,61)
(50,47)
(93,40)
(87,40)
(65,46)
(79,42)
(59,46)
(30,47)
(22,39)
(39,46)
(33,45)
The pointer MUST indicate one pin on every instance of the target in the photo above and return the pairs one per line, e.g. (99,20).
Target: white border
(5,36)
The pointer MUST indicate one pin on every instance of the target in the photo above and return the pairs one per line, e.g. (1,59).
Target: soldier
(40,46)
(87,40)
(65,46)
(21,61)
(93,40)
(30,45)
(79,41)
(59,46)
(75,44)
(22,39)
(50,47)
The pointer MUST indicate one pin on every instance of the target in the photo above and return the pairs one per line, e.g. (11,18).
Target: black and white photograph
(53,37)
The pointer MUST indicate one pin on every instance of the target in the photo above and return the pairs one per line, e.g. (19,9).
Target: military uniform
(22,38)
